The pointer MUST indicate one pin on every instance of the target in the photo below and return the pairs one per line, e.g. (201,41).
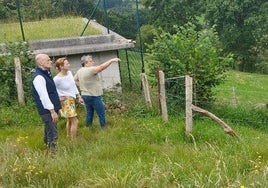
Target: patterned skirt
(68,108)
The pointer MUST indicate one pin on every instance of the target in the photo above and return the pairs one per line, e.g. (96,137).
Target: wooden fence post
(162,96)
(190,108)
(18,80)
(189,100)
(146,90)
(234,102)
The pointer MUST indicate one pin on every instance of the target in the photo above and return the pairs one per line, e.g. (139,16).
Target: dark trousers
(50,131)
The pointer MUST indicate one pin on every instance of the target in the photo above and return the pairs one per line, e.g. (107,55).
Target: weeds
(133,152)
(136,150)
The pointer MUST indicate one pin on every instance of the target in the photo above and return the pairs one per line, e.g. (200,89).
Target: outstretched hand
(115,60)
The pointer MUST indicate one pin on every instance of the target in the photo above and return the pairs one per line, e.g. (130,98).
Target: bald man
(46,99)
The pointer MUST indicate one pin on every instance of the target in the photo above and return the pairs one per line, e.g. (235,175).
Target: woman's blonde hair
(59,63)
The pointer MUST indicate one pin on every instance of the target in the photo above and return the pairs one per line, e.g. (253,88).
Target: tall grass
(137,150)
(250,92)
(45,29)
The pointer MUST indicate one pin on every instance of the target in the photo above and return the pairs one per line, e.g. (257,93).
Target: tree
(123,19)
(113,3)
(148,33)
(242,28)
(194,53)
(123,23)
(167,13)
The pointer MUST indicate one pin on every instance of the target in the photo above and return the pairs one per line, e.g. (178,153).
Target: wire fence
(232,104)
(130,69)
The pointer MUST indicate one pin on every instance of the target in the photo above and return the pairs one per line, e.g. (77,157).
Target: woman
(67,92)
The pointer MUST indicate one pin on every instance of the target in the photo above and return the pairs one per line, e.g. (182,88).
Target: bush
(194,53)
(8,93)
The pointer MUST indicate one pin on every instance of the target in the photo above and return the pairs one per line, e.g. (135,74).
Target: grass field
(249,89)
(45,29)
(137,150)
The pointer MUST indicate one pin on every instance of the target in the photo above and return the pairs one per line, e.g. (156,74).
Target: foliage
(8,92)
(123,19)
(194,53)
(114,3)
(167,13)
(38,10)
(148,33)
(16,116)
(262,66)
(242,27)
(123,23)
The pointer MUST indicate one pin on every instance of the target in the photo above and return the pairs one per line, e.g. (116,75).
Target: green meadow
(248,89)
(45,29)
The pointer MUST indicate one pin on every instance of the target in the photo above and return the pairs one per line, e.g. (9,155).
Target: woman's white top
(65,85)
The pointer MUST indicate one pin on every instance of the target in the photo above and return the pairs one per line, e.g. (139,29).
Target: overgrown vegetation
(137,150)
(190,52)
(8,93)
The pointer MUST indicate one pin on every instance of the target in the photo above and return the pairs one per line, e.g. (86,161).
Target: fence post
(234,102)
(146,90)
(188,106)
(18,80)
(162,96)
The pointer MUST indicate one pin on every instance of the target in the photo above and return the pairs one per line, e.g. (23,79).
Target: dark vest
(51,89)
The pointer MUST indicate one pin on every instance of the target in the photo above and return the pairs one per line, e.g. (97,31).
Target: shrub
(8,93)
(194,53)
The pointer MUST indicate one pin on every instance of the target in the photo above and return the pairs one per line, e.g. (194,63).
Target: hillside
(250,89)
(45,29)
